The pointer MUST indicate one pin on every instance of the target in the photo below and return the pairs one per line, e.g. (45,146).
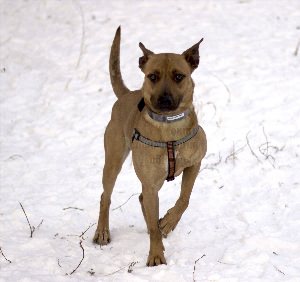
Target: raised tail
(114,67)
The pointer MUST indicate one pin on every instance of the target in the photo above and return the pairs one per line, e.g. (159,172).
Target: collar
(168,119)
(163,118)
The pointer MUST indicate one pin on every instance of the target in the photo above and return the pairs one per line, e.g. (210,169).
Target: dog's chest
(152,162)
(186,155)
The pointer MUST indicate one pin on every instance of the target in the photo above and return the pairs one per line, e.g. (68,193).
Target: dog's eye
(153,77)
(179,77)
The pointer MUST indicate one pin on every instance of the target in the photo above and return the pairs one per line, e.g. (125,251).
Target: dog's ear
(143,60)
(192,55)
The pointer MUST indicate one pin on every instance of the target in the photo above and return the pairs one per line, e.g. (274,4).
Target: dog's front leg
(172,217)
(151,206)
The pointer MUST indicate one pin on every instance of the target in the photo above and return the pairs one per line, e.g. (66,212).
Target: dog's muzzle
(166,102)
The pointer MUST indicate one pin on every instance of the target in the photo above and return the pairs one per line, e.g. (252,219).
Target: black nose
(165,101)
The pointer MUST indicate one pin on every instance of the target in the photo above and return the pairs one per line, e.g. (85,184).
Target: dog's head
(168,86)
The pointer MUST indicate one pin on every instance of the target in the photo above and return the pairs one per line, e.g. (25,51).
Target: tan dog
(159,125)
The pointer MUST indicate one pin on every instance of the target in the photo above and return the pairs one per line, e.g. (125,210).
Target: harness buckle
(136,135)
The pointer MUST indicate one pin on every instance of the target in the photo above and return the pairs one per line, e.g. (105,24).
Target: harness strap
(187,137)
(171,161)
(141,104)
(170,146)
(137,136)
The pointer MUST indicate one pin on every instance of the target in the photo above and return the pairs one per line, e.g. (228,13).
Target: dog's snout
(165,100)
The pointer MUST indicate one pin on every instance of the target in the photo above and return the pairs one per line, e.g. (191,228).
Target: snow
(243,221)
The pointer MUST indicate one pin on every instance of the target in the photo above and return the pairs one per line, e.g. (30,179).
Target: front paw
(156,259)
(168,222)
(102,237)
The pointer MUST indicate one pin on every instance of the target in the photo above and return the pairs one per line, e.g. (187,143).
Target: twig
(217,162)
(80,243)
(58,262)
(214,106)
(32,228)
(223,83)
(125,202)
(82,34)
(82,233)
(74,208)
(265,151)
(4,255)
(297,49)
(81,236)
(211,166)
(115,271)
(40,224)
(251,150)
(67,84)
(226,263)
(131,265)
(278,270)
(195,266)
(267,142)
(91,272)
(234,153)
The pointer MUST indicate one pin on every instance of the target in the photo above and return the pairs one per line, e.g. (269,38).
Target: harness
(169,145)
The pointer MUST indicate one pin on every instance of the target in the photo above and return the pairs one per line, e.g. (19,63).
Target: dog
(159,124)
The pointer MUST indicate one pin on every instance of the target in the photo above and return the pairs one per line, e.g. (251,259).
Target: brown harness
(171,161)
(169,145)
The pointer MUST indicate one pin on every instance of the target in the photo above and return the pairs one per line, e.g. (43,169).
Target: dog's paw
(168,223)
(156,259)
(102,237)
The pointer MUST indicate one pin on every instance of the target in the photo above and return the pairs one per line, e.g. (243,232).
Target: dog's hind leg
(116,152)
(173,215)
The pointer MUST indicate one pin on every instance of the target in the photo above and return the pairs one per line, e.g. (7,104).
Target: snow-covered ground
(243,221)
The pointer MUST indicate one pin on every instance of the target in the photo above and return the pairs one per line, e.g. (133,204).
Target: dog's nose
(165,101)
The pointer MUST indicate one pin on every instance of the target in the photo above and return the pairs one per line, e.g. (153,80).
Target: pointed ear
(192,55)
(143,60)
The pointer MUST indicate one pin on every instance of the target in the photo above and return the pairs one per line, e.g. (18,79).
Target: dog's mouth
(166,103)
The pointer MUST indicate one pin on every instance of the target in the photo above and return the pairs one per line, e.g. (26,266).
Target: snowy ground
(243,222)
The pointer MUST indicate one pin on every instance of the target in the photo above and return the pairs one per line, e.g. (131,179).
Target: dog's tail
(114,67)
